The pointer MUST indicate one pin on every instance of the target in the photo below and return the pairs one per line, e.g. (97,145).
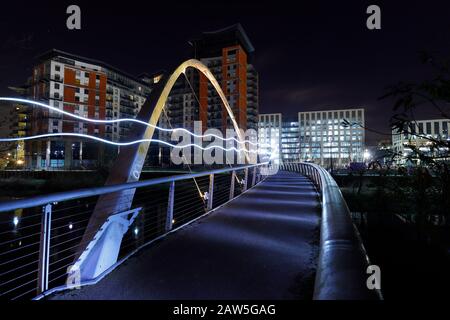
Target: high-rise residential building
(326,141)
(416,135)
(228,54)
(85,87)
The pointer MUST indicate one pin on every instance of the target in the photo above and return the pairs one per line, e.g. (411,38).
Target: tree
(408,98)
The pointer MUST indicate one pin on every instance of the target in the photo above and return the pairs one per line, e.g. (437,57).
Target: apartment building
(85,87)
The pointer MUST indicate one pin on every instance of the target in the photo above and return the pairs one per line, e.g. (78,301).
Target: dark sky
(309,56)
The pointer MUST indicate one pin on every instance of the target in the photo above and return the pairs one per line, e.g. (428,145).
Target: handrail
(343,261)
(89,192)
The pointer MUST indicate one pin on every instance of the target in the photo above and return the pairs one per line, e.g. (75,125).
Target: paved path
(263,245)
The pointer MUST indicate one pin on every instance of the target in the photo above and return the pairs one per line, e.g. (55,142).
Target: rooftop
(58,53)
(209,43)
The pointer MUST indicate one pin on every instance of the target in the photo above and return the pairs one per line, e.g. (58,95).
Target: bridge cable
(184,157)
(198,101)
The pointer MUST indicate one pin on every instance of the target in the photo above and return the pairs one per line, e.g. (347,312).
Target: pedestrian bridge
(262,245)
(249,232)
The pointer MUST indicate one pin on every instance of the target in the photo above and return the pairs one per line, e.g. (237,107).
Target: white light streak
(82,135)
(26,101)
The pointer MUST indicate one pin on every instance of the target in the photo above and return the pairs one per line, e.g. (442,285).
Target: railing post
(245,179)
(210,192)
(233,175)
(254,176)
(44,248)
(169,217)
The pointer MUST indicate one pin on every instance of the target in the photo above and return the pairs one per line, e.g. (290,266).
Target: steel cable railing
(343,261)
(41,237)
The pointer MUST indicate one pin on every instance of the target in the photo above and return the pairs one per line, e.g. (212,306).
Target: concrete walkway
(263,245)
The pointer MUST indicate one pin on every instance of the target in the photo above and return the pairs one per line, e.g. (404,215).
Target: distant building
(315,136)
(279,137)
(85,87)
(325,141)
(417,137)
(14,123)
(290,141)
(269,135)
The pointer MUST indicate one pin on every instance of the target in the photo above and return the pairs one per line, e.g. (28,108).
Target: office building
(290,142)
(279,136)
(416,135)
(326,141)
(315,136)
(269,135)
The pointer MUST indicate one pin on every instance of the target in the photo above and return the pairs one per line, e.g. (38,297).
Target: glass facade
(290,145)
(325,140)
(269,135)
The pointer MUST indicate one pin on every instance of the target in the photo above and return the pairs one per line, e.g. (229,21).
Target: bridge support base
(103,251)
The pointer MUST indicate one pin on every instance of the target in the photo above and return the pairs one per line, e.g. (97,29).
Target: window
(445,127)
(428,125)
(86,74)
(56,86)
(436,128)
(57,68)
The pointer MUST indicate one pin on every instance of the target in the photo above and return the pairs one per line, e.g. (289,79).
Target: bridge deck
(263,245)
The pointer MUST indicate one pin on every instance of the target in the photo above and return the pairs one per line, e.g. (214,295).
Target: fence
(41,237)
(341,272)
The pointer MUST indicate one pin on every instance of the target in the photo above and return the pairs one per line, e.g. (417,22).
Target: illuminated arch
(192,63)
(129,163)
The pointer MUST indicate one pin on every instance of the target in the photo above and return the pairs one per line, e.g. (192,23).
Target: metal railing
(343,261)
(41,237)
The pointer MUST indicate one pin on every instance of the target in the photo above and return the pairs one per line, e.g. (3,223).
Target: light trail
(82,135)
(27,101)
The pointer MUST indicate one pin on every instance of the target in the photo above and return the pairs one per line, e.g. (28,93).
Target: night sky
(309,57)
